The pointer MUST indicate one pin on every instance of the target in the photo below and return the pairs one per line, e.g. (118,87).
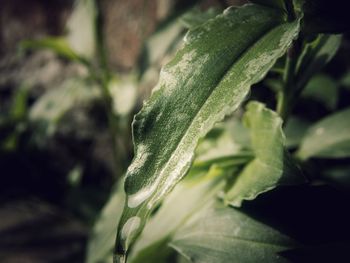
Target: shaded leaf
(101,242)
(223,234)
(295,131)
(208,79)
(272,165)
(323,89)
(315,56)
(328,138)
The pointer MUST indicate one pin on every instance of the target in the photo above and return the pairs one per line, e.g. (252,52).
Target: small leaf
(315,56)
(272,165)
(324,89)
(328,138)
(223,234)
(208,79)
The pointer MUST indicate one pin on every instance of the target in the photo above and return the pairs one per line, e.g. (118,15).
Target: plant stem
(286,98)
(285,95)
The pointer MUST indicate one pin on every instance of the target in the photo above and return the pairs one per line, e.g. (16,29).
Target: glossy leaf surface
(207,79)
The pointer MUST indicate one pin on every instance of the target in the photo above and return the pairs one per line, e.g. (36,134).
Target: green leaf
(272,165)
(324,89)
(100,246)
(328,138)
(315,56)
(188,197)
(207,79)
(57,44)
(223,234)
(227,140)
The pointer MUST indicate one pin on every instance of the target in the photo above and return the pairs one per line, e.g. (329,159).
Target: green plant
(215,176)
(209,78)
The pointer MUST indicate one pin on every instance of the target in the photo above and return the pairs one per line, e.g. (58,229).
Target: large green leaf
(207,79)
(328,138)
(223,234)
(272,164)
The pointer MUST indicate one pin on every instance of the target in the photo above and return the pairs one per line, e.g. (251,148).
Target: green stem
(286,98)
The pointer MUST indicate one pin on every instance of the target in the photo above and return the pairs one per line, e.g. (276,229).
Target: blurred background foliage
(72,75)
